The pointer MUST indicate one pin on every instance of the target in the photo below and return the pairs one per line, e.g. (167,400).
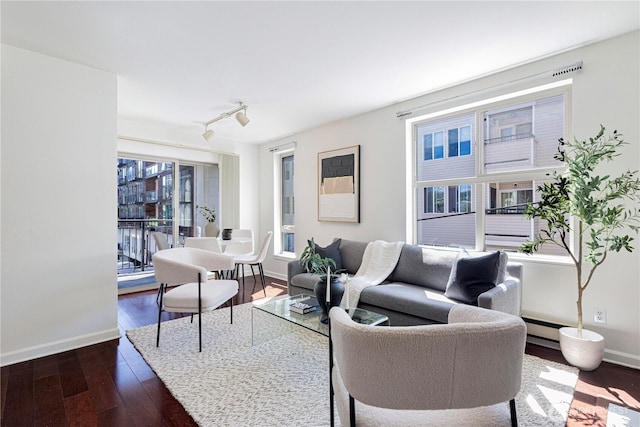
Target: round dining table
(200,242)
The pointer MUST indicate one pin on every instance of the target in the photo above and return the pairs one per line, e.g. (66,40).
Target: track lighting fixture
(241,117)
(208,134)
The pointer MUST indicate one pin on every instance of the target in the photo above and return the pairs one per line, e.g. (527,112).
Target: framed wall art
(339,185)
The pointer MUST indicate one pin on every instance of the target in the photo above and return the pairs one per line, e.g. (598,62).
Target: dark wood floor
(109,384)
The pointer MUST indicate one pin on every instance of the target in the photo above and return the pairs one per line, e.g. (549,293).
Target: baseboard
(135,289)
(58,347)
(276,275)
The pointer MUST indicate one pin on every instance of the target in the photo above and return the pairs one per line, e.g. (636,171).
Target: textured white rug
(283,379)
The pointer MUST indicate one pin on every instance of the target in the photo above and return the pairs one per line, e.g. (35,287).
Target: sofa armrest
(293,268)
(505,297)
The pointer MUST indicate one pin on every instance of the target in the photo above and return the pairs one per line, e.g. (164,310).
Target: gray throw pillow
(472,276)
(332,251)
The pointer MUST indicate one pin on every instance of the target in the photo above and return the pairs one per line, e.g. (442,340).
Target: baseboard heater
(543,330)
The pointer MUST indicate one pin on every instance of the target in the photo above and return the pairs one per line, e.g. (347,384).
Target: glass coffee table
(274,318)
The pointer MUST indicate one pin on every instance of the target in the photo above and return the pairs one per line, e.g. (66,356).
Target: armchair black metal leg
(200,330)
(159,314)
(352,411)
(199,313)
(514,417)
(231,309)
(162,289)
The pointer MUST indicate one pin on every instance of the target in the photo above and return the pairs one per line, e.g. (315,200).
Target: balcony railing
(135,243)
(509,138)
(507,210)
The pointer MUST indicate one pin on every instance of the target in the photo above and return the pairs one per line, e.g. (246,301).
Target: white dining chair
(161,240)
(255,259)
(242,248)
(211,244)
(207,243)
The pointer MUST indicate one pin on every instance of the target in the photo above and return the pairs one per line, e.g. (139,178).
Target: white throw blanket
(378,261)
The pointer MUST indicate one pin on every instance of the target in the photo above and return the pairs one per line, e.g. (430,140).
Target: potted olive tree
(591,206)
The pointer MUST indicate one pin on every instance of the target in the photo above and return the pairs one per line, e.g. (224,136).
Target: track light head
(208,134)
(241,117)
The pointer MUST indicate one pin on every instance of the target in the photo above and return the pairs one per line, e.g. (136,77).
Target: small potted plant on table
(325,267)
(211,229)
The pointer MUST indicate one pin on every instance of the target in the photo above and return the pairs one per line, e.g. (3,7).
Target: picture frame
(339,185)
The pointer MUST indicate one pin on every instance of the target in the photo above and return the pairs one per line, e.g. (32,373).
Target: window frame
(482,178)
(278,203)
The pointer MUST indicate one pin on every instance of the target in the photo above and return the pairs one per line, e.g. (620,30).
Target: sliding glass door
(158,200)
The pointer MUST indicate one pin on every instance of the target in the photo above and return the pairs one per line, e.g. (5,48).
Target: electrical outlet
(600,315)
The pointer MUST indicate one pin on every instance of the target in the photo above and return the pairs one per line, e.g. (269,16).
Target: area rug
(281,379)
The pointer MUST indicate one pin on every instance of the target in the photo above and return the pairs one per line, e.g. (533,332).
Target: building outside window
(490,159)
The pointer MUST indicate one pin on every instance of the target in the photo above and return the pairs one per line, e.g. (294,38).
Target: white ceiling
(298,64)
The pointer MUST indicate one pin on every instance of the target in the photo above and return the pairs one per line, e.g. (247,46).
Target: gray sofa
(413,294)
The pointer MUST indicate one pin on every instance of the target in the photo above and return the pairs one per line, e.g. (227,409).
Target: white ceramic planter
(585,353)
(211,230)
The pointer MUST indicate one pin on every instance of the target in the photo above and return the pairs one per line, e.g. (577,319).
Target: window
(496,154)
(460,199)
(434,145)
(434,200)
(459,140)
(513,201)
(284,214)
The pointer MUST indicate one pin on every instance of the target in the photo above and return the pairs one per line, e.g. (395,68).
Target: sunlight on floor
(560,377)
(554,394)
(619,416)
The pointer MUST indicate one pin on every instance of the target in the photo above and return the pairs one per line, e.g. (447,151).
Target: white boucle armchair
(189,268)
(460,373)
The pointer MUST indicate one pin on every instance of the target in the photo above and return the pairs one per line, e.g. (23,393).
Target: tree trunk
(579,304)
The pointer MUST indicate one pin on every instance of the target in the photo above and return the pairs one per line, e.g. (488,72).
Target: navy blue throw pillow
(472,276)
(332,251)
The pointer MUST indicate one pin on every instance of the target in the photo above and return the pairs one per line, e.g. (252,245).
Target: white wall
(606,92)
(58,276)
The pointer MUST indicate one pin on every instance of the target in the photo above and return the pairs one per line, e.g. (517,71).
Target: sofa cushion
(351,252)
(471,276)
(424,267)
(331,251)
(410,299)
(305,280)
